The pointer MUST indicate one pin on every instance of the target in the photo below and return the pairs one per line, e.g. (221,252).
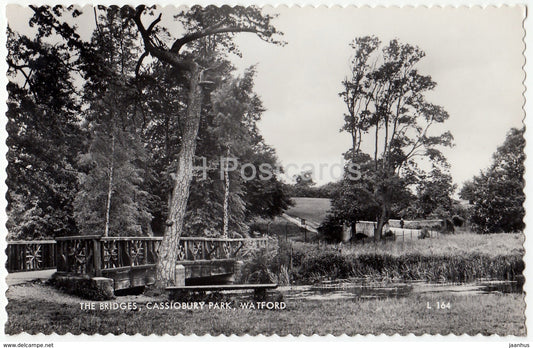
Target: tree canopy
(96,129)
(387,109)
(497,193)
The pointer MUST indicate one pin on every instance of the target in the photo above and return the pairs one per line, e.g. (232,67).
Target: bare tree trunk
(376,146)
(168,251)
(354,145)
(352,229)
(110,187)
(226,199)
(383,218)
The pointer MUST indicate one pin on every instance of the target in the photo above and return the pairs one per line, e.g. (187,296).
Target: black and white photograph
(264,170)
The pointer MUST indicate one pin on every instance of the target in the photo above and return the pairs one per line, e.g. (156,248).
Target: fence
(30,255)
(93,254)
(90,255)
(400,235)
(403,234)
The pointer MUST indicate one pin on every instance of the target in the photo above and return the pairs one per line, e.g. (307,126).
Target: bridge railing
(34,255)
(92,255)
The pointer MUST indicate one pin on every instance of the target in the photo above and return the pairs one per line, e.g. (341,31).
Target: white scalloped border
(410,340)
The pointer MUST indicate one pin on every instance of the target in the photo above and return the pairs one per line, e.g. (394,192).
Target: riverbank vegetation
(456,258)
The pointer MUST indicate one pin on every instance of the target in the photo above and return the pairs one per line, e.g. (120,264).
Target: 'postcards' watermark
(266,171)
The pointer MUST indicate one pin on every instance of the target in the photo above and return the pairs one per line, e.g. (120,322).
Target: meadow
(499,244)
(314,210)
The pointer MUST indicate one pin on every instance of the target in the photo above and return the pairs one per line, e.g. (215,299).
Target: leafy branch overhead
(199,23)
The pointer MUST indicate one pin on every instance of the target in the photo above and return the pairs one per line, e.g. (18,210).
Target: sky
(474,55)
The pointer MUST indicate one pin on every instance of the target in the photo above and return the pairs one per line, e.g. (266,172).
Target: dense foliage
(95,128)
(497,194)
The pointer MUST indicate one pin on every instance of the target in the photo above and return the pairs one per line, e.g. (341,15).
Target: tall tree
(225,138)
(202,25)
(387,99)
(112,199)
(356,95)
(44,137)
(434,195)
(238,187)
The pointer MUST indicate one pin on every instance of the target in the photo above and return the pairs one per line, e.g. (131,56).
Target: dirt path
(39,291)
(24,277)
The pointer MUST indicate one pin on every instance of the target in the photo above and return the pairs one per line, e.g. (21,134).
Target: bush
(83,287)
(270,268)
(359,237)
(389,236)
(448,226)
(331,229)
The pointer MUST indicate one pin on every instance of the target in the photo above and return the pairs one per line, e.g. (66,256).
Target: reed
(453,258)
(454,268)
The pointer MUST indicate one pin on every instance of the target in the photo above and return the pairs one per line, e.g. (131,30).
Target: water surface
(356,289)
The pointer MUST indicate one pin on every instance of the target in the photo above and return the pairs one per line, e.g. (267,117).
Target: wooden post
(97,257)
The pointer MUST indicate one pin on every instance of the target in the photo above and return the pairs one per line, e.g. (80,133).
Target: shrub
(266,267)
(83,287)
(389,236)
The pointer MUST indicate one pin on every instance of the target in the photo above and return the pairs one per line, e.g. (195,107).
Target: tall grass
(455,258)
(444,245)
(455,268)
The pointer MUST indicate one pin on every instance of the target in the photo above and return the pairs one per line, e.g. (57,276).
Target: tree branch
(154,23)
(139,63)
(161,54)
(179,43)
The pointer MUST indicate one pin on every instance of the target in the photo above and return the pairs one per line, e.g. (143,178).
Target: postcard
(265,170)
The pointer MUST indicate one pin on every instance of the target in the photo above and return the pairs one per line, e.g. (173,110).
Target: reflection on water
(357,289)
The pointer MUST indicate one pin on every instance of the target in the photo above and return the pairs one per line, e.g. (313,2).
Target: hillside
(313,210)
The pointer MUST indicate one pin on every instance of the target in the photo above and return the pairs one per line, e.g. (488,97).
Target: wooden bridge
(130,261)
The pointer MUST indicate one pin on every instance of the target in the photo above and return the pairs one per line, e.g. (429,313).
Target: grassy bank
(456,258)
(485,314)
(463,268)
(281,228)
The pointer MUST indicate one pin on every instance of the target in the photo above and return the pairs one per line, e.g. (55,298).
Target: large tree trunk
(168,251)
(383,218)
